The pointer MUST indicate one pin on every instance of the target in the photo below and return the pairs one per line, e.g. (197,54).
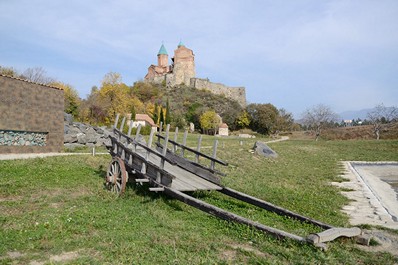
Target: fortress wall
(235,93)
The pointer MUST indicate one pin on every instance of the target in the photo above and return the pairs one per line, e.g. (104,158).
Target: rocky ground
(77,134)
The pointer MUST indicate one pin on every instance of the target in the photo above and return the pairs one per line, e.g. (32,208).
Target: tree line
(182,105)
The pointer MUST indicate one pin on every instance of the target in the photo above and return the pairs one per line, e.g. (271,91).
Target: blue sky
(293,54)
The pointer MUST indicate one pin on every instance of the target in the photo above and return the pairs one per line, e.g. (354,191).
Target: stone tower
(183,65)
(163,57)
(157,72)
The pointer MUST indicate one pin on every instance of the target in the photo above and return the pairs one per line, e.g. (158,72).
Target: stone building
(182,71)
(31,117)
(179,72)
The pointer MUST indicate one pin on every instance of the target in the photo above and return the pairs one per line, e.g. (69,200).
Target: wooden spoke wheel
(116,176)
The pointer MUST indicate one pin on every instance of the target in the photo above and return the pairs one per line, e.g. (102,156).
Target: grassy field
(55,210)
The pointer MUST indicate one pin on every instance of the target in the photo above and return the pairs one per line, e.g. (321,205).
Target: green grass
(58,205)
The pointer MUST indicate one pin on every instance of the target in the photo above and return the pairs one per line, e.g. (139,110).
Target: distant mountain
(354,114)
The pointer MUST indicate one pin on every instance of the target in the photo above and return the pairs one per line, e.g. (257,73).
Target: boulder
(262,149)
(68,118)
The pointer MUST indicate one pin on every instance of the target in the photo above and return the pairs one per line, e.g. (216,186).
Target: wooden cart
(168,170)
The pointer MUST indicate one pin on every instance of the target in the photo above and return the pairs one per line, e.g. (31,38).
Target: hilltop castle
(182,71)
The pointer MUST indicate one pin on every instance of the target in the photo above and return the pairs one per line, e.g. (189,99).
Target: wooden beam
(333,233)
(271,207)
(183,147)
(218,212)
(157,189)
(142,180)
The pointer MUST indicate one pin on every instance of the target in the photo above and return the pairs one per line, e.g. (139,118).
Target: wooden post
(116,120)
(166,140)
(214,154)
(130,128)
(151,137)
(175,140)
(161,127)
(138,131)
(198,148)
(122,125)
(184,142)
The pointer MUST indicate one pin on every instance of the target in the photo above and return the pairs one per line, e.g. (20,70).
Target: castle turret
(163,57)
(184,65)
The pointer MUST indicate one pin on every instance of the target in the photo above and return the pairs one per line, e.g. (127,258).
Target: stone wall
(31,117)
(236,93)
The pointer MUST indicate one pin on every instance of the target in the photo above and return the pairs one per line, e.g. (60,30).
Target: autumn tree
(381,115)
(72,100)
(243,120)
(209,120)
(319,117)
(114,95)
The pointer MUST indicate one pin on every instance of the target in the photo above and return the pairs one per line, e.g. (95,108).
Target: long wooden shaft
(271,207)
(218,212)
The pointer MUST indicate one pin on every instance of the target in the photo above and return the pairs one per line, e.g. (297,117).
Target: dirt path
(40,155)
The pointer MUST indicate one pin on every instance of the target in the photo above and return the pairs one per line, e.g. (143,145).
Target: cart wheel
(116,176)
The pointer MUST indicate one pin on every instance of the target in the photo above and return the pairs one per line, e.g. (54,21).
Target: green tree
(155,114)
(168,116)
(161,117)
(284,121)
(263,117)
(209,120)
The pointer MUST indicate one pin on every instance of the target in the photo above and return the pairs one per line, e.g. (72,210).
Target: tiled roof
(223,125)
(144,117)
(24,80)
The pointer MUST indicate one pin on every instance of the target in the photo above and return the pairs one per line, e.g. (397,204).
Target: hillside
(188,103)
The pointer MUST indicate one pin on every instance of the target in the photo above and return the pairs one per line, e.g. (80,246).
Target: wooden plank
(183,147)
(196,169)
(333,233)
(157,189)
(218,212)
(186,180)
(271,207)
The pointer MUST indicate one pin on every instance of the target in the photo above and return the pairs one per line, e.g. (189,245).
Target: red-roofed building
(223,130)
(144,120)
